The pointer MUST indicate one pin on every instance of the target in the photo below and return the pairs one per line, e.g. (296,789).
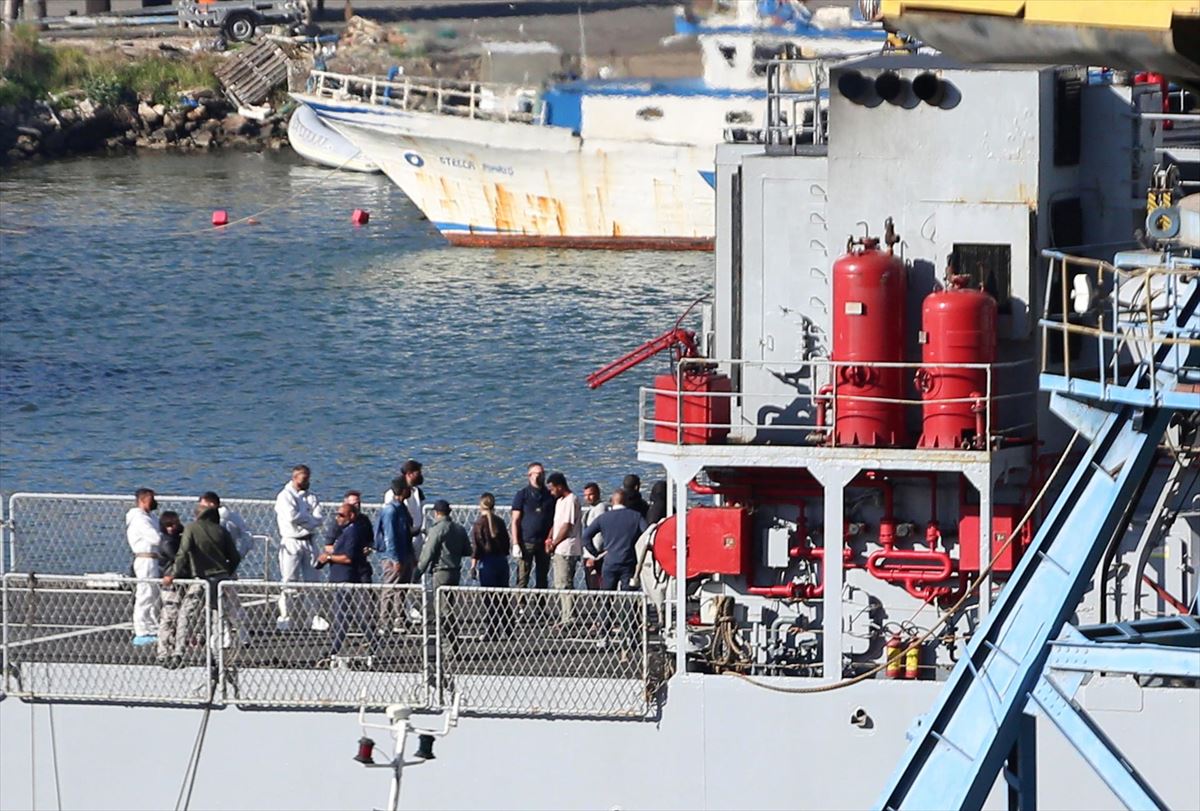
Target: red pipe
(823,405)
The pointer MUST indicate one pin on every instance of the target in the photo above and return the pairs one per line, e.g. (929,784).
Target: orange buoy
(220,217)
(360,216)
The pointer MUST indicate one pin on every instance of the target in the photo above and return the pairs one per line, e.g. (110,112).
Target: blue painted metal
(1138,660)
(956,753)
(955,758)
(1021,770)
(1181,630)
(1095,747)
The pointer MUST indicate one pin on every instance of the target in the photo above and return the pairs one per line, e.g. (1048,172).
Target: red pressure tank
(958,325)
(869,289)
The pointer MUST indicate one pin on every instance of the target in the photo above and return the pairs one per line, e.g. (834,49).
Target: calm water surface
(138,346)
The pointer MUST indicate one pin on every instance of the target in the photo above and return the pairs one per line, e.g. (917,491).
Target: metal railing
(537,652)
(349,645)
(801,405)
(524,652)
(1127,315)
(77,533)
(477,100)
(796,91)
(68,639)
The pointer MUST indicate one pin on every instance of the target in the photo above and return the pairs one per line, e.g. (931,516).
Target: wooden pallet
(252,73)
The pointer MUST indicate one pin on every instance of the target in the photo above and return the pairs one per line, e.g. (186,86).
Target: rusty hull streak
(613,243)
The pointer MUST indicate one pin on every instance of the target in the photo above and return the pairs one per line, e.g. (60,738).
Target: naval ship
(931,453)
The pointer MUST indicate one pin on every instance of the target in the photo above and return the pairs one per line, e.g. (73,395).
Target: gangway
(981,718)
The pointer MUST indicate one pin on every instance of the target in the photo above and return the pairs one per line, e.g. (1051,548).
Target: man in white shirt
(592,564)
(414,478)
(143,535)
(298,513)
(565,543)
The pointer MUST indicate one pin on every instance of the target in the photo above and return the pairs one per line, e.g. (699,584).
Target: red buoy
(360,217)
(220,217)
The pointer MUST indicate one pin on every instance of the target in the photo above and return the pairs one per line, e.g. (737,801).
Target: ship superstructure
(926,448)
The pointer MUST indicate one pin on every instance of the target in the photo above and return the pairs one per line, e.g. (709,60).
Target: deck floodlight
(929,88)
(853,86)
(888,85)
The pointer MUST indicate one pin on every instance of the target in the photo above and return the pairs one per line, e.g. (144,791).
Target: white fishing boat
(597,163)
(315,141)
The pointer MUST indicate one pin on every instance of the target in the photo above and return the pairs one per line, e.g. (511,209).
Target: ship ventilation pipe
(929,89)
(854,86)
(889,86)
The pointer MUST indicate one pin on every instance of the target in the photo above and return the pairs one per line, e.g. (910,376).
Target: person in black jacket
(632,485)
(172,595)
(206,552)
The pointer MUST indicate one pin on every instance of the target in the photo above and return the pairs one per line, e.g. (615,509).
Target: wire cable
(254,217)
(947,615)
(54,757)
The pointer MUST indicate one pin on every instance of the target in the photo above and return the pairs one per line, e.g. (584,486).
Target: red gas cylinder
(958,325)
(869,288)
(698,414)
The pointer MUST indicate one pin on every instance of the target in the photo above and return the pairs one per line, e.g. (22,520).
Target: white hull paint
(315,141)
(489,182)
(720,743)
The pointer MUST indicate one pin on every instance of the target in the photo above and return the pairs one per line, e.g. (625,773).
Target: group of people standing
(164,550)
(551,533)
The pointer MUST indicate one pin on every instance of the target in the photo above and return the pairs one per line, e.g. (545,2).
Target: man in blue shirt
(347,559)
(393,543)
(532,518)
(621,528)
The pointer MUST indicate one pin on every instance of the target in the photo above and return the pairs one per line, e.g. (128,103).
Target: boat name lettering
(497,169)
(457,163)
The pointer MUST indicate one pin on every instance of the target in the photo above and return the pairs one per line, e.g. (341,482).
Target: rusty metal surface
(617,243)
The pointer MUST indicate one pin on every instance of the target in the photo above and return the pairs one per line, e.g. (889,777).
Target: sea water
(139,346)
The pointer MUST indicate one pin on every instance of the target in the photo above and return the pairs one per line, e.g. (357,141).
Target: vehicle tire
(240,26)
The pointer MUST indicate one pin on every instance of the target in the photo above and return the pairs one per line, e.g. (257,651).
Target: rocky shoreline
(75,125)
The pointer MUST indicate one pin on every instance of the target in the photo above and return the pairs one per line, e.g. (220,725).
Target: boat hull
(314,141)
(487,183)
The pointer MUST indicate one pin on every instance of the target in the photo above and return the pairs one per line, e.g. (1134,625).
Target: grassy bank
(31,70)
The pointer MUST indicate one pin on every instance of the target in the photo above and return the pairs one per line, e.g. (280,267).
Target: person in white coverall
(298,513)
(143,536)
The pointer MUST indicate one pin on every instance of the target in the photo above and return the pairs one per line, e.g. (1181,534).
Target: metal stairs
(981,720)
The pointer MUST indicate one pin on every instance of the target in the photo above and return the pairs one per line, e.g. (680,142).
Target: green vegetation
(31,70)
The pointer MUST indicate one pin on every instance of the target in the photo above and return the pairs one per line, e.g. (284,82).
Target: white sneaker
(320,624)
(283,625)
(414,613)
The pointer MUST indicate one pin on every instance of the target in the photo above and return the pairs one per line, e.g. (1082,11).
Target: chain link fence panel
(545,653)
(345,645)
(71,639)
(74,533)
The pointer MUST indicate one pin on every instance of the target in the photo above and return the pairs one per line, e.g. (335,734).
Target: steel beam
(1138,660)
(1095,748)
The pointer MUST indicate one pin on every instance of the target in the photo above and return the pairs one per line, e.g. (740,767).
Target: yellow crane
(1162,36)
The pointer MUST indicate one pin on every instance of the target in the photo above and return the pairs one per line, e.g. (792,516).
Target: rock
(190,126)
(266,130)
(160,109)
(235,124)
(86,108)
(30,132)
(197,113)
(173,122)
(211,125)
(150,117)
(203,139)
